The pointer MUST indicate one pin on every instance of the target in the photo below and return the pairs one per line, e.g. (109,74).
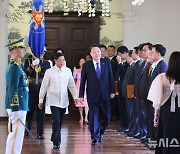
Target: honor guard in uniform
(35,70)
(16,102)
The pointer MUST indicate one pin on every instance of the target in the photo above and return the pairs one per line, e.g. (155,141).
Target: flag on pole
(37,29)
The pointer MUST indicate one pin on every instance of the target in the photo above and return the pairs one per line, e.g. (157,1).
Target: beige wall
(114,25)
(22,26)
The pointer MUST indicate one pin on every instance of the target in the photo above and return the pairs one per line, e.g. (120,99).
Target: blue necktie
(98,72)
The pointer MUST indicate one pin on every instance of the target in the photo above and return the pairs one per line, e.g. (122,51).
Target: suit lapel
(102,67)
(93,69)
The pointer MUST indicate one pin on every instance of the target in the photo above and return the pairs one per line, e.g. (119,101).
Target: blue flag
(37,29)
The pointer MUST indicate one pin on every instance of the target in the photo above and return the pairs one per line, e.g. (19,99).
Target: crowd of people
(134,86)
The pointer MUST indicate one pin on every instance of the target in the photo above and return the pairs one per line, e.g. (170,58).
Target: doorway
(74,35)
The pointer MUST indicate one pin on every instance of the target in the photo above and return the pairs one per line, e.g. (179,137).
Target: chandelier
(137,2)
(79,6)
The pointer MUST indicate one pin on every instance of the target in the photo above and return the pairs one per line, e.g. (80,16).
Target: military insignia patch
(15,100)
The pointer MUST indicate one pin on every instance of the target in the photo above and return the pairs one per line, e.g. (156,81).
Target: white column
(3,54)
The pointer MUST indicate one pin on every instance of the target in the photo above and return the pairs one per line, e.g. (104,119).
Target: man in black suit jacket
(34,87)
(119,77)
(136,116)
(97,73)
(129,80)
(114,64)
(140,84)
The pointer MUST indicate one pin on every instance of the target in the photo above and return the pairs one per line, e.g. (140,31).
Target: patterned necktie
(98,72)
(150,70)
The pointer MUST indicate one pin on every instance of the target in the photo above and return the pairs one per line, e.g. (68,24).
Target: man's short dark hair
(130,53)
(150,45)
(160,48)
(57,55)
(103,46)
(112,46)
(141,46)
(94,45)
(136,49)
(122,49)
(57,49)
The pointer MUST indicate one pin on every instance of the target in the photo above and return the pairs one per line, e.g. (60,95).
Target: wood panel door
(74,35)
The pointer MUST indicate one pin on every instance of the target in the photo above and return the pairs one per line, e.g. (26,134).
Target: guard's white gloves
(35,62)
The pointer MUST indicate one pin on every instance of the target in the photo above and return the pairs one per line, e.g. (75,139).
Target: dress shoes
(122,129)
(40,136)
(101,138)
(137,135)
(130,134)
(85,122)
(94,142)
(56,146)
(142,138)
(27,133)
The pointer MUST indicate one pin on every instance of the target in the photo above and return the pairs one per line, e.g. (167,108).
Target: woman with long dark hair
(165,95)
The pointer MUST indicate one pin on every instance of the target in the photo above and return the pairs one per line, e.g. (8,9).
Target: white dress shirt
(56,83)
(95,64)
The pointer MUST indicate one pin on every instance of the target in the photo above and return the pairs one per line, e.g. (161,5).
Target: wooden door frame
(73,18)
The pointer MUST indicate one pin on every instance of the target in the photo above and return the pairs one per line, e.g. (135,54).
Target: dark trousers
(114,108)
(99,117)
(141,117)
(57,118)
(33,106)
(123,111)
(151,130)
(132,114)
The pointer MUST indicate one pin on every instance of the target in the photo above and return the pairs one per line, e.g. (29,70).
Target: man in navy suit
(144,51)
(158,66)
(97,74)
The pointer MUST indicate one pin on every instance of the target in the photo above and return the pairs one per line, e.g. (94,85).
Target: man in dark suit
(158,66)
(144,50)
(141,87)
(119,77)
(34,87)
(150,72)
(103,49)
(97,74)
(130,100)
(114,65)
(136,116)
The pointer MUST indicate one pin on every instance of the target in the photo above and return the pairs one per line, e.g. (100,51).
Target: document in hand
(130,91)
